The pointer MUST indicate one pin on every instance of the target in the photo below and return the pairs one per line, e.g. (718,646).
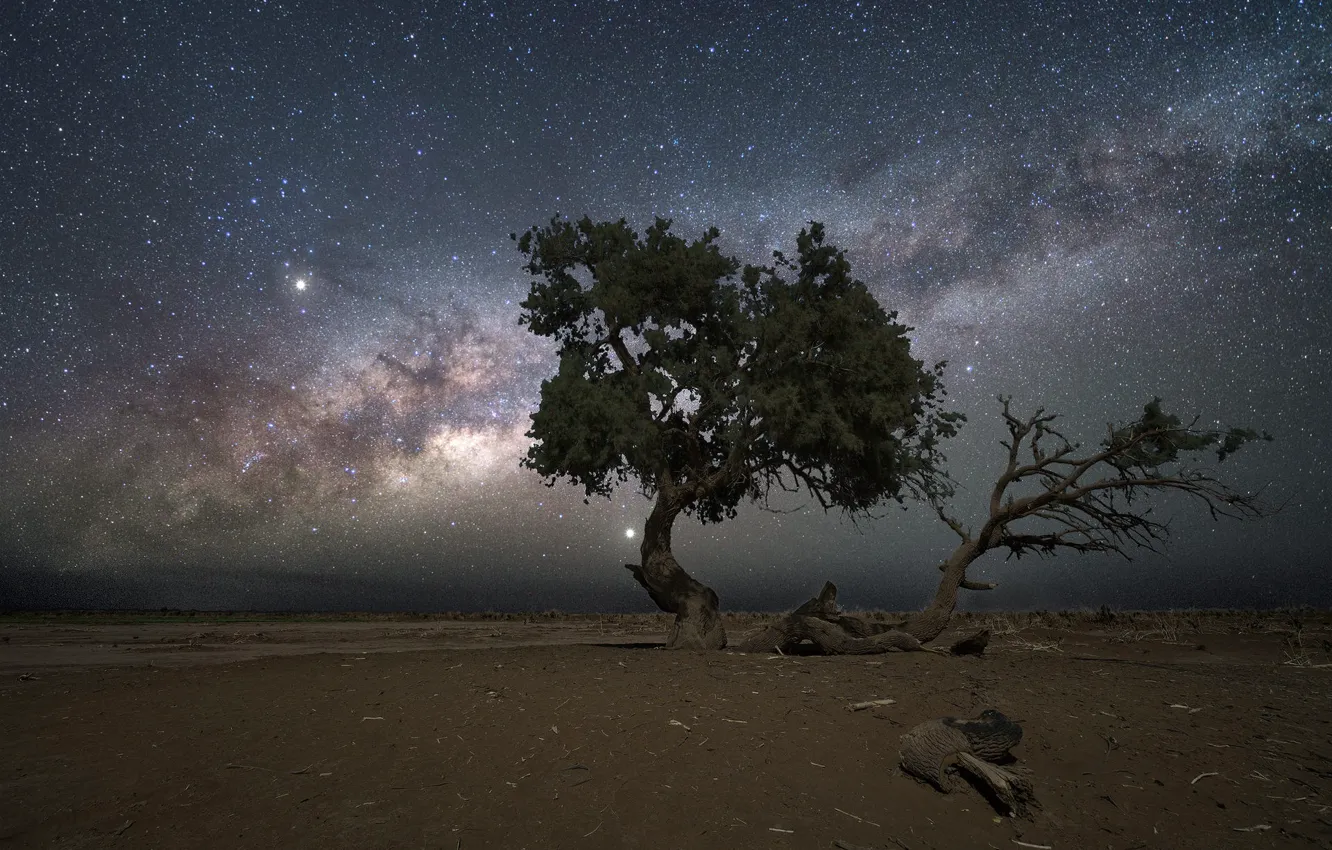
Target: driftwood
(971,746)
(832,632)
(1012,790)
(871,703)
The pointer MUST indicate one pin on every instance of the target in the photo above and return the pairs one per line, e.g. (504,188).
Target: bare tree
(1052,495)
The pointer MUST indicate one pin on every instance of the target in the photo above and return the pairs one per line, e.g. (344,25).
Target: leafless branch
(1101,514)
(952,523)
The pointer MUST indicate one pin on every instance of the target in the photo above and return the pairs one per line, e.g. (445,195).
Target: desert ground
(1180,730)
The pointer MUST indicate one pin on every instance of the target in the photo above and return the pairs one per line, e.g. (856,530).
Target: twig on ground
(856,817)
(870,703)
(1261,827)
(587,778)
(594,829)
(1204,776)
(232,766)
(1033,846)
(124,826)
(1036,646)
(1303,659)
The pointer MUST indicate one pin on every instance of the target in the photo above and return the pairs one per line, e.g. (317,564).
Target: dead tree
(1053,496)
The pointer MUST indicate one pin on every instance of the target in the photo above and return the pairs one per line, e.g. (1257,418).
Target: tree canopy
(686,372)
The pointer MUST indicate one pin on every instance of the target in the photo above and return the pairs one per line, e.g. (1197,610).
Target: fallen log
(972,746)
(819,622)
(831,632)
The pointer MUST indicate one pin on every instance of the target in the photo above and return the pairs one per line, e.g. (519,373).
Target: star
(1102,243)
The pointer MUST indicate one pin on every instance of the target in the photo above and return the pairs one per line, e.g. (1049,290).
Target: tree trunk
(930,623)
(697,610)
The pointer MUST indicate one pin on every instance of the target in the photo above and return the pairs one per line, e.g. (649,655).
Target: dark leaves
(676,374)
(1159,438)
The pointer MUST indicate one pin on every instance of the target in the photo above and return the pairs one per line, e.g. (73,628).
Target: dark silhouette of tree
(709,384)
(1052,495)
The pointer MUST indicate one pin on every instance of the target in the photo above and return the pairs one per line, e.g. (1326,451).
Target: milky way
(258,304)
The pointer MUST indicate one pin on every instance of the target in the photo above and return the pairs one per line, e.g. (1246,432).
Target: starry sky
(259,340)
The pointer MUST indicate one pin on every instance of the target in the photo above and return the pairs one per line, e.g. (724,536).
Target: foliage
(685,372)
(1158,438)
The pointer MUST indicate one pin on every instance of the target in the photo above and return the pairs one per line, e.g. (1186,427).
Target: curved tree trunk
(930,623)
(697,609)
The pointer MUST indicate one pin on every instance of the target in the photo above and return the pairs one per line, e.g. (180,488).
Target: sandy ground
(581,734)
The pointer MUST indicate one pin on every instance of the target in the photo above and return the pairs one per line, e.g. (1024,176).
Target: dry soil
(1139,733)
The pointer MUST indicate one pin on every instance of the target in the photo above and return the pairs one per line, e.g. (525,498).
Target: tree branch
(1098,516)
(616,342)
(952,523)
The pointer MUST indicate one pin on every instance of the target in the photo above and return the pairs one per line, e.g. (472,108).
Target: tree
(709,384)
(1052,495)
(1065,498)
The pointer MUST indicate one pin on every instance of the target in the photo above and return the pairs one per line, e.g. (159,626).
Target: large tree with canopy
(709,384)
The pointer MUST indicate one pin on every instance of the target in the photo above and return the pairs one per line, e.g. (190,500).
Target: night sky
(259,340)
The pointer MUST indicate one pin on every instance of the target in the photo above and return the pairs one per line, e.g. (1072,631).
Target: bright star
(300,283)
(629,532)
